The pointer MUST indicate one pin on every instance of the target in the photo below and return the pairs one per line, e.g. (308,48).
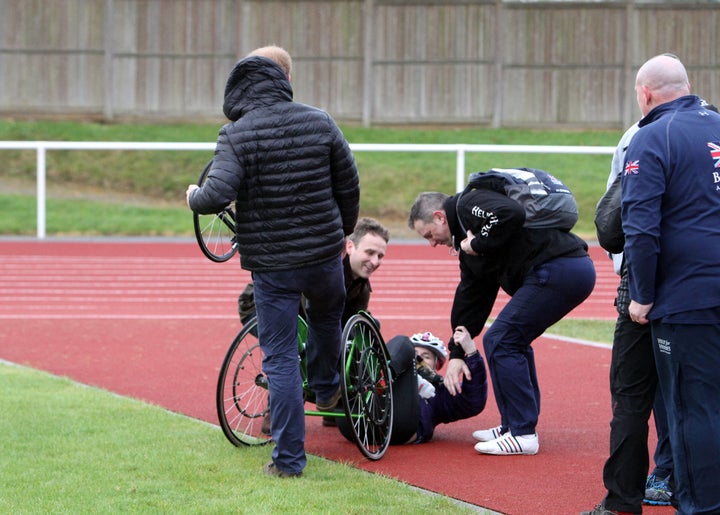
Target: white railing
(41,148)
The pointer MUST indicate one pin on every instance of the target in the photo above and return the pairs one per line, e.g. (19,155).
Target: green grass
(599,331)
(389,180)
(71,217)
(72,449)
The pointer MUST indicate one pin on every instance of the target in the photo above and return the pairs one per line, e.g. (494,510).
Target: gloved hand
(425,389)
(427,373)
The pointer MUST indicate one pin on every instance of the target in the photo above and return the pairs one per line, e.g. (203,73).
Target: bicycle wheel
(215,233)
(367,386)
(242,391)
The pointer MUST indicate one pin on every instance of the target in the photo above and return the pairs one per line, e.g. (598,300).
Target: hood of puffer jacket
(255,82)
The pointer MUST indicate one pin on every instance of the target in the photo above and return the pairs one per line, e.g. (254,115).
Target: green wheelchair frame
(366,416)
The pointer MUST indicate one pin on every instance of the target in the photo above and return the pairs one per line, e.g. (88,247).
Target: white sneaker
(485,435)
(509,445)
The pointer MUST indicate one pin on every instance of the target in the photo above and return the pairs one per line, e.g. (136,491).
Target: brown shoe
(265,428)
(271,470)
(330,404)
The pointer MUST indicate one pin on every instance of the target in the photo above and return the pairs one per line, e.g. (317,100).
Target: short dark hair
(369,226)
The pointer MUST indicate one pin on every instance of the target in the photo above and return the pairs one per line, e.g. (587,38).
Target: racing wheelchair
(366,384)
(366,378)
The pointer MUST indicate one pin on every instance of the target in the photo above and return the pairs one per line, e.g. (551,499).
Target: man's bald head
(660,80)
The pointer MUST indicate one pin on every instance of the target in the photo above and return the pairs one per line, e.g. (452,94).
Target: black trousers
(633,382)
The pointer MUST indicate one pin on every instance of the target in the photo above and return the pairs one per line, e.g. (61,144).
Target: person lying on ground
(436,403)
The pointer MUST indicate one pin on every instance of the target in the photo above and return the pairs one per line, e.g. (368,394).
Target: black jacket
(287,167)
(357,292)
(506,252)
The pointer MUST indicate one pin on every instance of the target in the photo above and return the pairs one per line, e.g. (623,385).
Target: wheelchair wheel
(367,386)
(242,391)
(215,233)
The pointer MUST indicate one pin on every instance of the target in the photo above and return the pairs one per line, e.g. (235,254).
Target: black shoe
(329,421)
(599,510)
(271,470)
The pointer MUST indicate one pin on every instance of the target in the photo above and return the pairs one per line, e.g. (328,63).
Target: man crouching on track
(547,272)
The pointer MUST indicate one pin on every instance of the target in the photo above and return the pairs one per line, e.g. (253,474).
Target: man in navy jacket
(671,221)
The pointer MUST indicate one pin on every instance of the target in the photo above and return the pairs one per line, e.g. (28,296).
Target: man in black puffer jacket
(293,178)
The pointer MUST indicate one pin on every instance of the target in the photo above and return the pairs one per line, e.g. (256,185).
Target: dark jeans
(277,297)
(688,365)
(549,292)
(633,383)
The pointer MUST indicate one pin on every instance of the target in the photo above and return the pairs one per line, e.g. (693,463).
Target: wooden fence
(501,63)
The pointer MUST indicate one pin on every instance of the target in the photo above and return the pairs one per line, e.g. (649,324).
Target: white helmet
(433,343)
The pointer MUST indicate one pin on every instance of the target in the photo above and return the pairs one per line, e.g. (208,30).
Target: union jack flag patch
(715,153)
(632,167)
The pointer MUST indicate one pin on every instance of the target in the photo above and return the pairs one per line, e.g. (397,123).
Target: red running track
(152,320)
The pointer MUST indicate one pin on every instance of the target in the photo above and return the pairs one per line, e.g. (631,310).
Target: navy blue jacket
(287,167)
(671,210)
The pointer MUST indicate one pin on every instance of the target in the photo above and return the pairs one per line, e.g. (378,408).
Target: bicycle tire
(242,392)
(367,386)
(215,233)
(242,395)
